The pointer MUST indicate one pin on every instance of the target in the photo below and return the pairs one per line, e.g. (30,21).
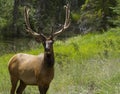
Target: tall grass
(87,64)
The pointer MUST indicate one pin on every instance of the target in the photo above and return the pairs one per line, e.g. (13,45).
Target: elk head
(47,41)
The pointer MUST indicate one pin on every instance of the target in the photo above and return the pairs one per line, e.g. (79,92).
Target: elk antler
(67,21)
(28,27)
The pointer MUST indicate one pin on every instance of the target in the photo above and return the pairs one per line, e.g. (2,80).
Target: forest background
(87,16)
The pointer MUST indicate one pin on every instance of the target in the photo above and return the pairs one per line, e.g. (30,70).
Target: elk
(35,69)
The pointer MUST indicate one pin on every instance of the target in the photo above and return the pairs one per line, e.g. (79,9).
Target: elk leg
(43,89)
(14,84)
(21,87)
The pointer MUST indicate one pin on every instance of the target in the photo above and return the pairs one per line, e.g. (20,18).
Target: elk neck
(49,58)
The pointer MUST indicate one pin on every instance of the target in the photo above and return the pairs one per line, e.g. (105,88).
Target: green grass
(87,64)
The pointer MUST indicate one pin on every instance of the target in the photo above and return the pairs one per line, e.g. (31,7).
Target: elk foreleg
(43,89)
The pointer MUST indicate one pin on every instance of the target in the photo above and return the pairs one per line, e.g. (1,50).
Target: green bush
(84,64)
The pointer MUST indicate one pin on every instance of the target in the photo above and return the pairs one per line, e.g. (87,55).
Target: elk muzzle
(48,46)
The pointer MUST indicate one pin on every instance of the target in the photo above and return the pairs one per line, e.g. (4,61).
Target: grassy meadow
(88,64)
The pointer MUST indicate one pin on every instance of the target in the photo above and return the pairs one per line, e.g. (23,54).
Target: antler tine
(67,15)
(28,27)
(67,20)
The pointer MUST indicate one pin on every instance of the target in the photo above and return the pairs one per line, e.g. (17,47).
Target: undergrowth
(88,64)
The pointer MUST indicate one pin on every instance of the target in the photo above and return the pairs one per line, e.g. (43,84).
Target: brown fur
(30,70)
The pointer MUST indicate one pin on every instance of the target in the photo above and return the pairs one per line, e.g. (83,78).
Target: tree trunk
(41,8)
(15,17)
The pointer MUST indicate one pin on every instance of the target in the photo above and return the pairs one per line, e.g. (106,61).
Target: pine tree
(116,19)
(96,15)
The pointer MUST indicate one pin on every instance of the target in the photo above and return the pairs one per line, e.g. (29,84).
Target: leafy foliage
(5,13)
(86,15)
(95,16)
(84,64)
(116,9)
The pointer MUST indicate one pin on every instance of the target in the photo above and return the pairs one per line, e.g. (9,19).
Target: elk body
(35,69)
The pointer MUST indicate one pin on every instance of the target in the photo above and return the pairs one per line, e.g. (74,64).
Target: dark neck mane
(49,59)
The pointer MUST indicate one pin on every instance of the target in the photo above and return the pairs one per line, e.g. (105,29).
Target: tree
(96,15)
(15,17)
(116,9)
(5,16)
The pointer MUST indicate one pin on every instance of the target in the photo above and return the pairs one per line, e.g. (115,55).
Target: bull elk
(35,69)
